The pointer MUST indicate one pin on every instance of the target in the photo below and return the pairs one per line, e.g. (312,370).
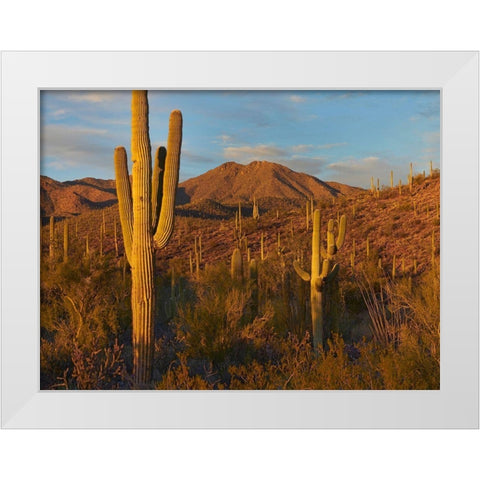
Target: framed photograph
(240,240)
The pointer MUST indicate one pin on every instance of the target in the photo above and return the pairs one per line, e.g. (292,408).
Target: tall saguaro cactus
(147,216)
(322,272)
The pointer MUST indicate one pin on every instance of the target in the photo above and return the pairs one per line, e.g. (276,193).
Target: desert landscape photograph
(240,240)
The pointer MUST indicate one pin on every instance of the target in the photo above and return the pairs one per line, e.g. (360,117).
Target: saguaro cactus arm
(124,194)
(305,276)
(157,182)
(341,232)
(170,180)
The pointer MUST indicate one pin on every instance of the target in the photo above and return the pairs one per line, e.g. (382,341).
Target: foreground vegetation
(213,331)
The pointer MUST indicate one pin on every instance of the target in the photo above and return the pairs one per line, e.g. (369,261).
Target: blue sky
(344,136)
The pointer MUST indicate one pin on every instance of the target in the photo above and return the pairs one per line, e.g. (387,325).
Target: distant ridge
(226,184)
(66,199)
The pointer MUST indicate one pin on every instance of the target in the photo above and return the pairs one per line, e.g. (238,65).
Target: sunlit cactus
(102,228)
(255,213)
(262,252)
(307,213)
(253,279)
(147,217)
(52,238)
(236,266)
(115,239)
(65,241)
(322,271)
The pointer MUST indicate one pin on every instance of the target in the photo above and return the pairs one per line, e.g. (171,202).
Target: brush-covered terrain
(246,327)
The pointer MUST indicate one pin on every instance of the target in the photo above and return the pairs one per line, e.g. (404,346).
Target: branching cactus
(322,271)
(147,214)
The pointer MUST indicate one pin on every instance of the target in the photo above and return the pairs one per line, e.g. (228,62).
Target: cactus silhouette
(147,215)
(322,272)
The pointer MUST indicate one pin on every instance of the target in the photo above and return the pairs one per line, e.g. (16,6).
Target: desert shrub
(95,369)
(406,322)
(84,309)
(179,377)
(208,325)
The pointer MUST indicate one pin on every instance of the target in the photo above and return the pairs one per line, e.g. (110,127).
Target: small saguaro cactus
(240,217)
(410,177)
(433,248)
(255,213)
(236,267)
(65,241)
(307,219)
(52,238)
(115,239)
(253,279)
(191,264)
(322,272)
(352,255)
(102,230)
(147,208)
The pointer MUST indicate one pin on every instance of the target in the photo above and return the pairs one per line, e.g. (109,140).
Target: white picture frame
(24,74)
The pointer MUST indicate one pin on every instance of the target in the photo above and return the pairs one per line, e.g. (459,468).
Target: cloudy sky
(344,136)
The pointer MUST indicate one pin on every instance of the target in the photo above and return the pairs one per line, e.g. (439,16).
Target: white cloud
(224,139)
(73,147)
(358,171)
(309,148)
(327,146)
(362,165)
(303,148)
(247,153)
(93,97)
(431,149)
(297,99)
(60,112)
(295,157)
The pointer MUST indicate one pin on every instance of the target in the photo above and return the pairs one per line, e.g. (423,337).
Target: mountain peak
(232,182)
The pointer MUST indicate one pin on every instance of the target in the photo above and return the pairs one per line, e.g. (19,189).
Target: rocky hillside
(66,199)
